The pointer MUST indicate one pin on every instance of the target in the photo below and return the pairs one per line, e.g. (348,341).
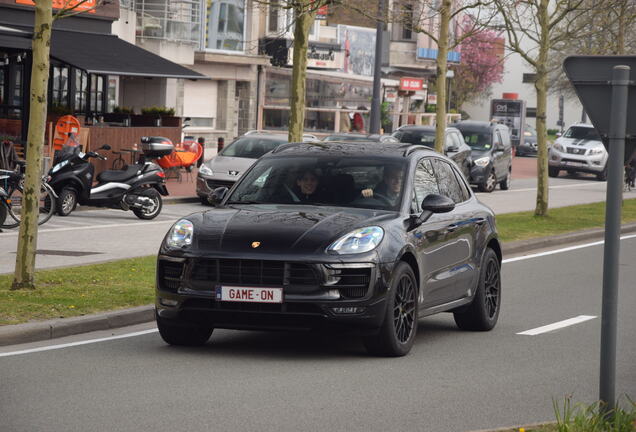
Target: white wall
(124,27)
(200,98)
(177,52)
(512,82)
(141,93)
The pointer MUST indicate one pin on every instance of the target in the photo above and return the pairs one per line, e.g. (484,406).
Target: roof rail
(284,146)
(411,148)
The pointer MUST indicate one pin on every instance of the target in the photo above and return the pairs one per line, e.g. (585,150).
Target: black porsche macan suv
(366,237)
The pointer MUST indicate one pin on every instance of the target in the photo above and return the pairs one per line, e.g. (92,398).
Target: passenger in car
(307,186)
(389,188)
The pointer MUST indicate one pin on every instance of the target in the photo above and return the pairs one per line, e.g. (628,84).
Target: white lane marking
(93,227)
(557,325)
(560,187)
(72,344)
(567,249)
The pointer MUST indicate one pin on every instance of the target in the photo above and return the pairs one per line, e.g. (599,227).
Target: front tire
(554,172)
(183,334)
(602,176)
(399,327)
(483,311)
(489,184)
(66,201)
(151,212)
(505,183)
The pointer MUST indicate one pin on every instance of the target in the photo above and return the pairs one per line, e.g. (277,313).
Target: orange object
(185,154)
(67,129)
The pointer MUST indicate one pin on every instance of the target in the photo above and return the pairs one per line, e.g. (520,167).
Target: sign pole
(376,120)
(611,254)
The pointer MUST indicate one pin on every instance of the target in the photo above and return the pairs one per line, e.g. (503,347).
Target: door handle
(479,221)
(451,227)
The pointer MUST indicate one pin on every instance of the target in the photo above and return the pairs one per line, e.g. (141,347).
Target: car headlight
(596,151)
(558,147)
(181,234)
(59,166)
(358,241)
(205,170)
(482,162)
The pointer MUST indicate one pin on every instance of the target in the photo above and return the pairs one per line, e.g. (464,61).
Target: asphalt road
(245,381)
(93,236)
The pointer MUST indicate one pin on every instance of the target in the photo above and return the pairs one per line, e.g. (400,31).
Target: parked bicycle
(11,198)
(630,174)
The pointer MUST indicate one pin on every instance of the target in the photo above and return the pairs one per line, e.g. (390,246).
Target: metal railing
(173,20)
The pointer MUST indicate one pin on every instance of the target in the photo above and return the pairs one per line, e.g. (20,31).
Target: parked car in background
(341,235)
(529,146)
(491,153)
(225,168)
(357,137)
(454,146)
(579,149)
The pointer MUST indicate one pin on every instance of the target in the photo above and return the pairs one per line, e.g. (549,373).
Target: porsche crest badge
(255,244)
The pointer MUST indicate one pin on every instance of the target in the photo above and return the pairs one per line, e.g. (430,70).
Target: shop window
(81,91)
(97,94)
(226,25)
(315,121)
(113,89)
(59,86)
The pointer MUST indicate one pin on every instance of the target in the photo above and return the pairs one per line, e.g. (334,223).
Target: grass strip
(82,290)
(524,225)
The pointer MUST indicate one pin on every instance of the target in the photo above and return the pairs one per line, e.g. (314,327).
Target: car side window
(424,183)
(499,143)
(447,181)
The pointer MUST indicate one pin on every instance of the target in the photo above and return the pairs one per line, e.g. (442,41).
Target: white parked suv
(579,149)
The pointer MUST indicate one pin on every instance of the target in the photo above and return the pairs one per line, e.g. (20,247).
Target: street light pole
(374,127)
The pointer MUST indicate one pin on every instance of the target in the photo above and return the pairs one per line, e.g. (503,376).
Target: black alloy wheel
(398,330)
(483,312)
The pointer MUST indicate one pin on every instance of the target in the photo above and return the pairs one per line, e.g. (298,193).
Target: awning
(107,54)
(101,54)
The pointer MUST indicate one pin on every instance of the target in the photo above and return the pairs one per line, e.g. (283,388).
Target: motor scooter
(137,187)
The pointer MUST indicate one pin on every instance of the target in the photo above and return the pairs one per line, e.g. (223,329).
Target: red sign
(411,84)
(76,5)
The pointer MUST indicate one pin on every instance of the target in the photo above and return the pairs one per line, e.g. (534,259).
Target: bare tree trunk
(27,240)
(541,85)
(304,21)
(620,39)
(442,61)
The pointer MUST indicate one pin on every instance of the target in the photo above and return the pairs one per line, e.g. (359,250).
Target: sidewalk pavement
(51,329)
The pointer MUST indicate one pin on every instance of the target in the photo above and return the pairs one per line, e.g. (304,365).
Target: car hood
(574,142)
(231,167)
(476,154)
(279,229)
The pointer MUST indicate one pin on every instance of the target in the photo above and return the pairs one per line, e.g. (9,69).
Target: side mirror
(452,149)
(104,147)
(558,134)
(434,203)
(217,195)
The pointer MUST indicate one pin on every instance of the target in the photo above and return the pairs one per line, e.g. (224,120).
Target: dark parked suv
(368,237)
(491,153)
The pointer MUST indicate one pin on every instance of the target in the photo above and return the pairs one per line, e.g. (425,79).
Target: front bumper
(479,174)
(527,148)
(186,292)
(583,163)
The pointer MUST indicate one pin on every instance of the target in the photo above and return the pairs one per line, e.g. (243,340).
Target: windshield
(477,140)
(66,152)
(426,138)
(252,147)
(334,181)
(586,133)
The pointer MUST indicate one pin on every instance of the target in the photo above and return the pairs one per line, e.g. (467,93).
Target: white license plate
(249,294)
(574,163)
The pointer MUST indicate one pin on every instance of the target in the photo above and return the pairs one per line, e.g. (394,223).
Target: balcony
(171,20)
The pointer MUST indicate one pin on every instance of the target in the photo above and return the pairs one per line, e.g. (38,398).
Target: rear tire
(505,183)
(150,213)
(483,311)
(183,334)
(553,171)
(66,201)
(399,327)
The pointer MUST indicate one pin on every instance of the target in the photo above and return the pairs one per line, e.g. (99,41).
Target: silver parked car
(580,149)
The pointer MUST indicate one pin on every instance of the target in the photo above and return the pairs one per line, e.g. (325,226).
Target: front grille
(577,151)
(253,272)
(354,282)
(213,184)
(170,275)
(573,160)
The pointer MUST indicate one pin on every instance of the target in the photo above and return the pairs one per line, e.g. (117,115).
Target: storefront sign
(431,99)
(76,5)
(411,84)
(511,113)
(390,94)
(322,12)
(320,58)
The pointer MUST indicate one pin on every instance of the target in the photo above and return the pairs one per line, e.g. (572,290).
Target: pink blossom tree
(482,56)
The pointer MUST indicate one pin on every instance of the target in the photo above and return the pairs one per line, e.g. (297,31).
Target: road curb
(516,428)
(43,330)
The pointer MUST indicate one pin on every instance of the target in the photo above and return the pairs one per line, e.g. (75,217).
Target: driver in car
(389,188)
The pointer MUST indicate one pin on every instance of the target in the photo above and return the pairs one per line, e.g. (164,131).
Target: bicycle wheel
(46,205)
